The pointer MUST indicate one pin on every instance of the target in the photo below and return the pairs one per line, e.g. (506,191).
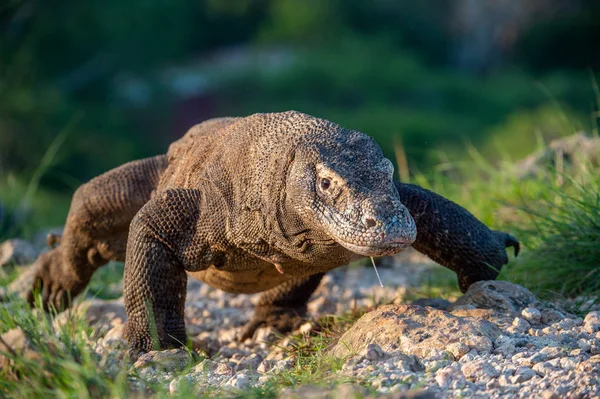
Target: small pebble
(591,323)
(239,381)
(532,315)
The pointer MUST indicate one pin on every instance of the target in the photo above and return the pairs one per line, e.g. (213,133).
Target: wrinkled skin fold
(267,203)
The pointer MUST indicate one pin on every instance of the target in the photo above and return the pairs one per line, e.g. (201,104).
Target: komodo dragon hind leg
(282,307)
(95,231)
(453,237)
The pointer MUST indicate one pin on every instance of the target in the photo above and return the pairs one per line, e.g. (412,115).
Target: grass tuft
(563,238)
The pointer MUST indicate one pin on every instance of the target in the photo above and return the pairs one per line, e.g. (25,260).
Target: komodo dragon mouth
(378,236)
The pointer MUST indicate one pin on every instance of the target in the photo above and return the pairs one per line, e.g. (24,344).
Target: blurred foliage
(524,130)
(563,42)
(46,208)
(429,109)
(384,67)
(59,59)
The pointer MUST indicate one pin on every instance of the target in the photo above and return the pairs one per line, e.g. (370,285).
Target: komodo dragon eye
(325,183)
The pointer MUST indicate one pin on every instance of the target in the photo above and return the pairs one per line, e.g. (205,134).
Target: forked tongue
(376,272)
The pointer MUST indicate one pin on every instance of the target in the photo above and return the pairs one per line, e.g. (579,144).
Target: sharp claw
(510,241)
(249,329)
(46,296)
(55,298)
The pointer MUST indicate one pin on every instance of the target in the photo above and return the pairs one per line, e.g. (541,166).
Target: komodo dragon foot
(282,320)
(56,282)
(282,307)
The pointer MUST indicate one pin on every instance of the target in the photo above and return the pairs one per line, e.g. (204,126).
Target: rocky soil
(498,340)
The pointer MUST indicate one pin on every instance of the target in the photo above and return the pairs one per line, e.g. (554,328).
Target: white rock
(543,368)
(549,330)
(469,357)
(549,395)
(458,349)
(176,384)
(284,364)
(224,369)
(537,358)
(446,376)
(480,344)
(265,334)
(591,323)
(207,365)
(394,327)
(567,324)
(323,305)
(167,360)
(249,363)
(520,324)
(435,365)
(583,345)
(479,368)
(306,328)
(524,374)
(239,381)
(263,379)
(17,252)
(265,365)
(550,316)
(532,315)
(552,351)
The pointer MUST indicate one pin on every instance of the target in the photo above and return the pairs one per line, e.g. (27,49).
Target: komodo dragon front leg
(454,238)
(446,232)
(96,229)
(165,240)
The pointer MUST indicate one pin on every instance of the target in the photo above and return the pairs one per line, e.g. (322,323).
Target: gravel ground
(538,351)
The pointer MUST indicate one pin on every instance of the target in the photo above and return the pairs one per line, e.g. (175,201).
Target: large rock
(417,331)
(562,154)
(17,252)
(500,296)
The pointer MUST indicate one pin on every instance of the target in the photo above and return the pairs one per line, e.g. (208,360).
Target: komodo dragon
(268,203)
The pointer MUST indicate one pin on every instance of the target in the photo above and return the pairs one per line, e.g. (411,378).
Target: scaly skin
(265,203)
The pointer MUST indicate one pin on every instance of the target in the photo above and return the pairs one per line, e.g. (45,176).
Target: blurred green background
(109,81)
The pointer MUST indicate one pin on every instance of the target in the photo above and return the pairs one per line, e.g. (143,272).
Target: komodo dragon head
(339,182)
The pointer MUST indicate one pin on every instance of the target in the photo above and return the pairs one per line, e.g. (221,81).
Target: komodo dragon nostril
(370,222)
